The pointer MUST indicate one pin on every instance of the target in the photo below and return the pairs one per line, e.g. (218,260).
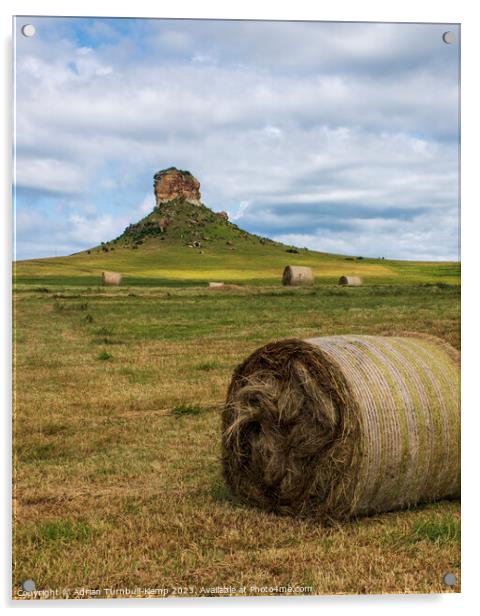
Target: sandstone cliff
(174,183)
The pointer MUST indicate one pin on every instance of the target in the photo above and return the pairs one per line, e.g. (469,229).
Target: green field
(177,267)
(117,439)
(118,393)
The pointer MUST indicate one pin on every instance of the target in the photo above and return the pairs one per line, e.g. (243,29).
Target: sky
(340,137)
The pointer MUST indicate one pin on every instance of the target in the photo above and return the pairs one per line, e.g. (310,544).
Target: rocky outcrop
(163,224)
(174,183)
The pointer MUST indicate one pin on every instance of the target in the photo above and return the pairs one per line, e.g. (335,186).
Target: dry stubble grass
(113,489)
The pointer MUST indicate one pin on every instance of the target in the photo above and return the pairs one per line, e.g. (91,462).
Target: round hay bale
(343,426)
(224,287)
(297,275)
(110,279)
(350,281)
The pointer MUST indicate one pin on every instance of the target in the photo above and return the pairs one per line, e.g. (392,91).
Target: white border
(453,11)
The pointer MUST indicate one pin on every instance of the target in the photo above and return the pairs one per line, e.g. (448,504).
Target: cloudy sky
(339,137)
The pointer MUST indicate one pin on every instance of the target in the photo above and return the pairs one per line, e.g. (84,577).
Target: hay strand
(342,426)
(297,275)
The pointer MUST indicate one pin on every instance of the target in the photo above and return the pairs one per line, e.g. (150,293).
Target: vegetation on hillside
(190,225)
(182,171)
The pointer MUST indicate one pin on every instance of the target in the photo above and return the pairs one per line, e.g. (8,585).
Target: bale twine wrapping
(343,426)
(110,279)
(297,275)
(350,281)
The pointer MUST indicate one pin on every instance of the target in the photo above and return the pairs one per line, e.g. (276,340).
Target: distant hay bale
(297,275)
(220,286)
(343,426)
(350,281)
(111,279)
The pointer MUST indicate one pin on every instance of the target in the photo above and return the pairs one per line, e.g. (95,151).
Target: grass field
(117,425)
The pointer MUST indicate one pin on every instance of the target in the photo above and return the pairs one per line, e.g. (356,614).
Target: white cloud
(300,124)
(43,236)
(95,229)
(242,208)
(411,240)
(50,174)
(148,203)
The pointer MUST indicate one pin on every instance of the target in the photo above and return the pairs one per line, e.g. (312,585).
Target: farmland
(117,427)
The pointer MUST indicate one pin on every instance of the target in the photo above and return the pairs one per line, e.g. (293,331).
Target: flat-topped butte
(173,183)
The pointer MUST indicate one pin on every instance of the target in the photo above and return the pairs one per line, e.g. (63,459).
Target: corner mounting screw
(449,579)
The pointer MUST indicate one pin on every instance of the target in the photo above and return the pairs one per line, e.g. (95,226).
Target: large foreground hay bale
(297,275)
(350,281)
(110,279)
(343,426)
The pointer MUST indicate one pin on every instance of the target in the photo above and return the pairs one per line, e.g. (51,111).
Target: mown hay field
(118,482)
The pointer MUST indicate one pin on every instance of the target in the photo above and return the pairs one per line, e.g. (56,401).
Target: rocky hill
(181,218)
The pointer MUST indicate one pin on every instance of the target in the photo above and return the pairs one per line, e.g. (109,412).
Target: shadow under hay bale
(350,281)
(111,279)
(343,426)
(297,275)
